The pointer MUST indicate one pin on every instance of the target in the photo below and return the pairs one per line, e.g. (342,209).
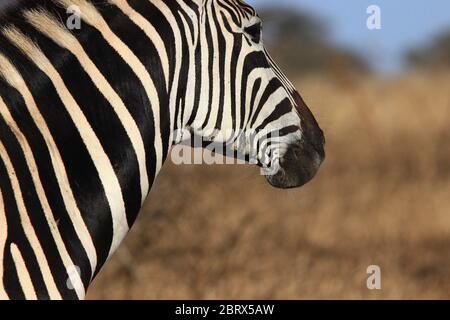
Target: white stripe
(100,159)
(274,100)
(28,228)
(205,81)
(193,16)
(216,73)
(255,75)
(31,163)
(62,37)
(3,237)
(13,77)
(23,274)
(239,82)
(190,90)
(227,119)
(149,31)
(165,11)
(91,16)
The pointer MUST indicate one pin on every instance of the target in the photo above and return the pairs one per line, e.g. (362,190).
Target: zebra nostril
(297,152)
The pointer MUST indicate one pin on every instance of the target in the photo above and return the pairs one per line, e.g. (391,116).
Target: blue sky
(405,23)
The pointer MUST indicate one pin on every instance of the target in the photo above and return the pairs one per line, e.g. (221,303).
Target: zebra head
(246,102)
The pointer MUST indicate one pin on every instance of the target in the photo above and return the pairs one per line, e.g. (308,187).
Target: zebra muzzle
(302,160)
(297,167)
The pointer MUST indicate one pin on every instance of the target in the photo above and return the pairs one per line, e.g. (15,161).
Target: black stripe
(255,90)
(280,110)
(237,47)
(235,15)
(271,87)
(198,82)
(221,50)
(211,75)
(177,11)
(184,71)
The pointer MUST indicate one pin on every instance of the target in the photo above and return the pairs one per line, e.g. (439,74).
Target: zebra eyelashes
(254,32)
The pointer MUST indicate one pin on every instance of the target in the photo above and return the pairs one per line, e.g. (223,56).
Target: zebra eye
(254,32)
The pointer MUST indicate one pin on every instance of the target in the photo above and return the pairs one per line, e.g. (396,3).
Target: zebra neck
(86,122)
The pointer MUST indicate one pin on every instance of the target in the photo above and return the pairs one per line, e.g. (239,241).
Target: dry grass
(382,197)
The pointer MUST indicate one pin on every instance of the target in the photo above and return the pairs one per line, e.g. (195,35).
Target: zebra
(89,115)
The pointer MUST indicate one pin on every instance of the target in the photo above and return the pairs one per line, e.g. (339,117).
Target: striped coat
(88,116)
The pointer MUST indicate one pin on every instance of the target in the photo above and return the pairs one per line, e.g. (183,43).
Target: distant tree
(300,43)
(435,54)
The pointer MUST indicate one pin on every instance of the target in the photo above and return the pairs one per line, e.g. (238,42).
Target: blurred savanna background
(381,198)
